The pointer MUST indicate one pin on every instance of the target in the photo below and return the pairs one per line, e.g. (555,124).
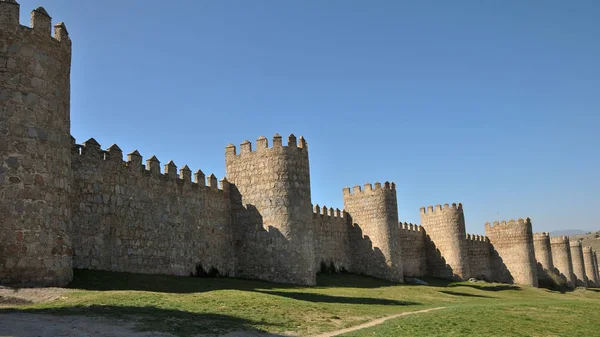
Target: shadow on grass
(177,322)
(487,286)
(456,293)
(105,280)
(311,297)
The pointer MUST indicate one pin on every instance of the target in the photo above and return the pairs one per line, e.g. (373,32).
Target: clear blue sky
(495,104)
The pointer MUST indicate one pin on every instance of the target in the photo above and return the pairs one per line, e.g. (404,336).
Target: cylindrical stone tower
(270,195)
(561,256)
(375,211)
(596,269)
(513,243)
(588,261)
(578,265)
(35,161)
(543,254)
(448,251)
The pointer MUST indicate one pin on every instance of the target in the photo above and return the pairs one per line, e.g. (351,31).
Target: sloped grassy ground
(187,306)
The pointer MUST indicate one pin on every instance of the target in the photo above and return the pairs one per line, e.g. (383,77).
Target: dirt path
(374,322)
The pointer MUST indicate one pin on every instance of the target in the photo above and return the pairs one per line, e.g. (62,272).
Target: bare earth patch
(16,296)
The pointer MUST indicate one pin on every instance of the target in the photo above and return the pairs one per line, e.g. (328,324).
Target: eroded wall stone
(374,236)
(514,259)
(35,176)
(412,243)
(543,256)
(561,256)
(332,244)
(578,276)
(588,261)
(447,255)
(272,213)
(134,218)
(480,257)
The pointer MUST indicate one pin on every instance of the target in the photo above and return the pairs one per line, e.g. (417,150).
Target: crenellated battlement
(509,223)
(439,208)
(410,227)
(559,240)
(477,238)
(40,22)
(587,249)
(262,144)
(541,236)
(368,188)
(575,243)
(323,211)
(91,151)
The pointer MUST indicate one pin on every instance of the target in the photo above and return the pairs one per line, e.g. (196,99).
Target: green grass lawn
(186,306)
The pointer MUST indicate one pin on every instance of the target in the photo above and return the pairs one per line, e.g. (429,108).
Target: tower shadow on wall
(500,272)
(436,263)
(365,259)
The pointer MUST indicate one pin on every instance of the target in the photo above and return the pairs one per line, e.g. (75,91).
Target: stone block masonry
(447,245)
(588,260)
(35,173)
(135,218)
(412,244)
(64,205)
(543,256)
(374,215)
(561,256)
(578,276)
(515,258)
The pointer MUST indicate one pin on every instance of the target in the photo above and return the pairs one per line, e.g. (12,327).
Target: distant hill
(592,240)
(568,232)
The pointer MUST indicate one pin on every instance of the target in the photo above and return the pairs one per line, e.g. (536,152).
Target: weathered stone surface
(412,244)
(578,276)
(374,236)
(271,210)
(447,245)
(561,257)
(515,258)
(543,255)
(35,179)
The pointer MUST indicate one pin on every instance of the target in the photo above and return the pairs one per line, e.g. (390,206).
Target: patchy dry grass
(186,306)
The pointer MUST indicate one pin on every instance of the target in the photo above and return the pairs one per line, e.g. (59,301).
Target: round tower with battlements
(35,162)
(578,264)
(270,191)
(561,256)
(543,254)
(374,213)
(588,261)
(515,256)
(448,250)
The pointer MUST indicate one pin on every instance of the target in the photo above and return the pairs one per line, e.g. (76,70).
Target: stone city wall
(480,253)
(578,264)
(447,251)
(35,181)
(133,218)
(543,255)
(374,236)
(561,256)
(412,243)
(588,261)
(332,244)
(272,211)
(514,259)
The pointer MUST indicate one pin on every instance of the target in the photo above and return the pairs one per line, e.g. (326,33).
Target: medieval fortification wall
(447,246)
(64,205)
(543,256)
(561,256)
(132,217)
(515,258)
(412,244)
